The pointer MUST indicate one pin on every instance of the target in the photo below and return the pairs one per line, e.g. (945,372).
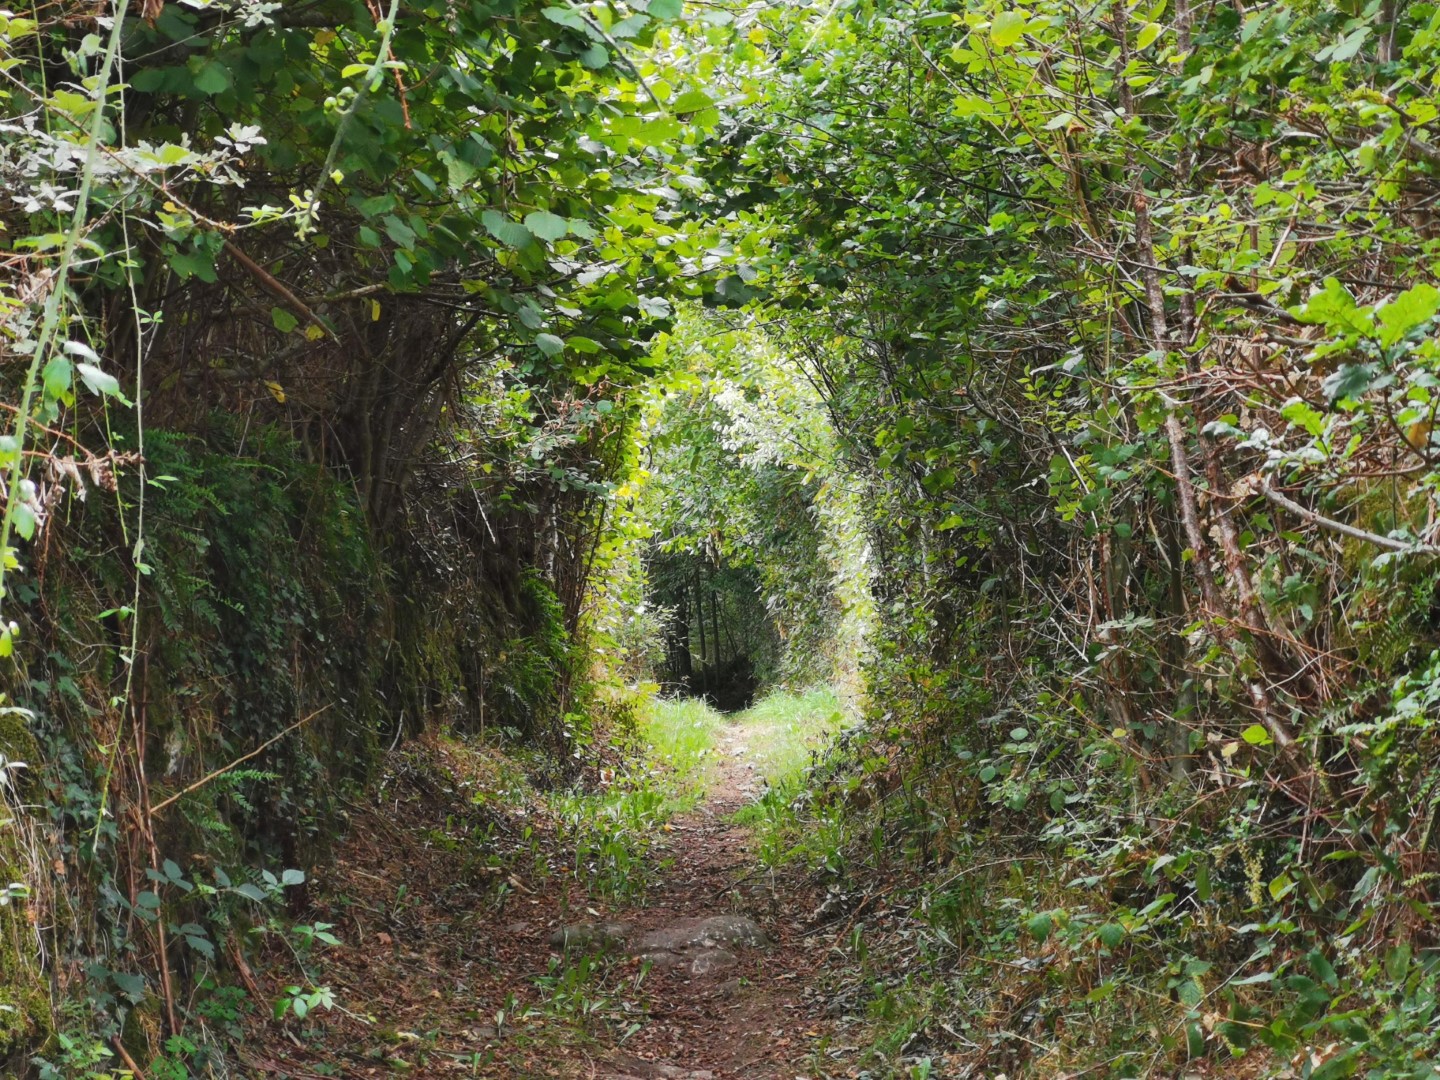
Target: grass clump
(788,734)
(680,736)
(614,828)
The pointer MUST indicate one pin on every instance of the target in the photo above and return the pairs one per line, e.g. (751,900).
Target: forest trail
(452,969)
(726,1011)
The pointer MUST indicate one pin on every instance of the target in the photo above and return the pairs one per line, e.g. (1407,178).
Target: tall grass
(788,734)
(680,735)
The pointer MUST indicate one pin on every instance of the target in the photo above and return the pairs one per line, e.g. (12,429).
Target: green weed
(787,735)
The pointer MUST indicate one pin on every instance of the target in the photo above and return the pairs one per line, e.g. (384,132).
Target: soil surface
(452,966)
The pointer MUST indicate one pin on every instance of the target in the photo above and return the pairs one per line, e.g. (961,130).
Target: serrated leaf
(1348,381)
(1410,309)
(565,16)
(510,233)
(1111,935)
(203,946)
(656,307)
(546,226)
(57,376)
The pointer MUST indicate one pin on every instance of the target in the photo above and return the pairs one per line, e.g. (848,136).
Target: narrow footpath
(455,966)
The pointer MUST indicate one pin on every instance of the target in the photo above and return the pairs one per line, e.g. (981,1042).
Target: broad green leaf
(100,383)
(549,344)
(1148,33)
(1256,735)
(665,9)
(547,226)
(510,233)
(565,16)
(212,78)
(1348,382)
(1008,28)
(57,376)
(283,320)
(1410,309)
(691,101)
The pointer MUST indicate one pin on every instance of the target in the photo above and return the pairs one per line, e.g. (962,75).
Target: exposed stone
(640,1069)
(708,933)
(581,935)
(712,960)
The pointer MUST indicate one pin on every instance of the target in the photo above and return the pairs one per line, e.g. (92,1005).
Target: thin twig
(1340,527)
(162,804)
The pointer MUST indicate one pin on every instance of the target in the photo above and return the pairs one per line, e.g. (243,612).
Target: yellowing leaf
(374,310)
(1147,36)
(276,391)
(1007,29)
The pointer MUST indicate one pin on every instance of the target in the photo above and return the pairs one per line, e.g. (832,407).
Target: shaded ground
(447,897)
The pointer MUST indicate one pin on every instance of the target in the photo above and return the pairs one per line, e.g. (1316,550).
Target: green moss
(27,1020)
(17,744)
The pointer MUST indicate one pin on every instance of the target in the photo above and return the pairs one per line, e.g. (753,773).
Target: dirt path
(746,1018)
(452,967)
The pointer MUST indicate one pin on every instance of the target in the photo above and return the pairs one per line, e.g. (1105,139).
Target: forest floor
(456,893)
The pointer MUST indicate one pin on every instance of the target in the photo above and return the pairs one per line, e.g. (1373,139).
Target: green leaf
(665,9)
(510,233)
(282,320)
(1280,886)
(203,946)
(549,344)
(57,376)
(1410,309)
(1040,926)
(212,78)
(692,101)
(1147,36)
(99,383)
(565,16)
(1322,968)
(656,307)
(547,226)
(1348,382)
(1007,29)
(1111,935)
(595,57)
(24,521)
(1256,735)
